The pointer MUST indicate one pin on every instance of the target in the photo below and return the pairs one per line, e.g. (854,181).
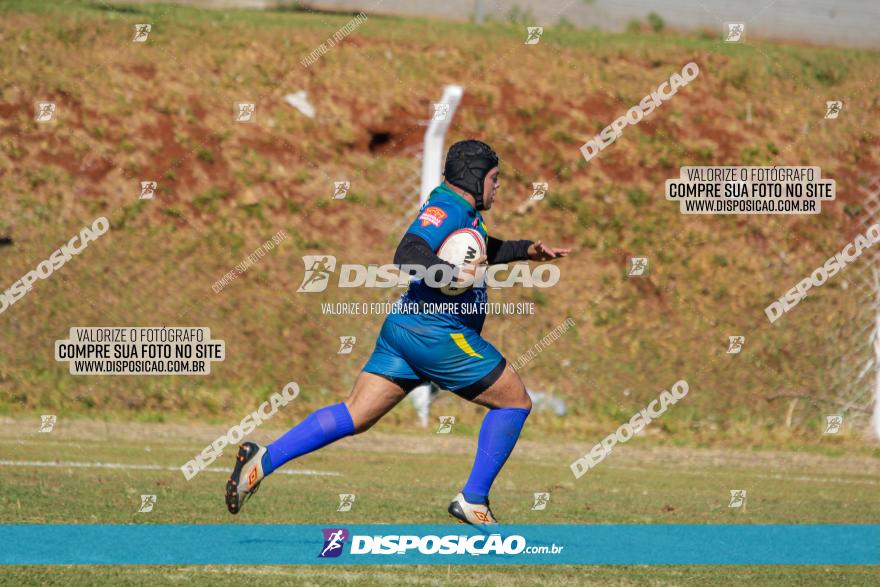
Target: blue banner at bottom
(660,544)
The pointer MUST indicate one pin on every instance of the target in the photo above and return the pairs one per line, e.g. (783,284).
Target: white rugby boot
(471,513)
(246,476)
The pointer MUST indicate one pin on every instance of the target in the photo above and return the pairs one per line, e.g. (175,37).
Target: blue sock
(320,428)
(498,435)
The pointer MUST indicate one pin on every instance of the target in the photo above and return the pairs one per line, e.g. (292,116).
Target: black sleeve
(414,250)
(499,251)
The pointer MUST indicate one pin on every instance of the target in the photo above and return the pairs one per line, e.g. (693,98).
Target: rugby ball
(462,247)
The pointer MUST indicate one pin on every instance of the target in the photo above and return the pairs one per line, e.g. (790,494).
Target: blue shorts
(459,360)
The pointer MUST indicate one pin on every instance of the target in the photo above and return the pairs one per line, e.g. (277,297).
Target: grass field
(410,479)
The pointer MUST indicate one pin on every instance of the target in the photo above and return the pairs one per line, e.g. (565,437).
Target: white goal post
(432,166)
(435,137)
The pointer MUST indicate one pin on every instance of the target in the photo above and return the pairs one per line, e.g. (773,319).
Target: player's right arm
(425,235)
(415,250)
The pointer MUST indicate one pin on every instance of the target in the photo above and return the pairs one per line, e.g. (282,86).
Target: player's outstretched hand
(538,251)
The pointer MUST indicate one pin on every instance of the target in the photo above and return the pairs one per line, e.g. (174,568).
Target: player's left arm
(500,251)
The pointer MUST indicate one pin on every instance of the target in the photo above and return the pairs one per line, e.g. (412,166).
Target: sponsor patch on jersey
(432,215)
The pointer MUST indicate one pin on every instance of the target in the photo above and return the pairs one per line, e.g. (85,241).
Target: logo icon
(637,266)
(735,344)
(334,538)
(340,189)
(833,108)
(47,423)
(318,270)
(245,112)
(148,190)
(432,215)
(346,500)
(446,423)
(737,498)
(441,110)
(147,503)
(44,111)
(539,190)
(833,424)
(541,501)
(141,32)
(483,517)
(735,32)
(346,345)
(534,35)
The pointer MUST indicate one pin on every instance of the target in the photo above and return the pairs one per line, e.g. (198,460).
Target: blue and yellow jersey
(443,213)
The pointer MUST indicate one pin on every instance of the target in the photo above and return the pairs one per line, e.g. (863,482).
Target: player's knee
(519,396)
(362,426)
(512,393)
(523,402)
(360,422)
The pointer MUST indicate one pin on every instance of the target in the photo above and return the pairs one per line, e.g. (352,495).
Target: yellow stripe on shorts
(464,345)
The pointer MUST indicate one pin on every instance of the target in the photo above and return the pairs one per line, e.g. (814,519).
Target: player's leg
(509,406)
(508,391)
(372,396)
(465,363)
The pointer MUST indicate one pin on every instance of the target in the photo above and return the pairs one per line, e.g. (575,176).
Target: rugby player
(413,348)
